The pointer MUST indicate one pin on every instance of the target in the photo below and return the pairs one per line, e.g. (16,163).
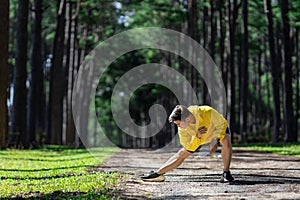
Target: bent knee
(183,153)
(226,140)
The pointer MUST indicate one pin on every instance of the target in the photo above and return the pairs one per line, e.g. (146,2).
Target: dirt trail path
(258,175)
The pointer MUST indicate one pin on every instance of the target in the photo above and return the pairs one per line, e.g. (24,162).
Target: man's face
(182,123)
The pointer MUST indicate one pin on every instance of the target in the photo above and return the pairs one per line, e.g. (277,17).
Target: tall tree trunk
(238,62)
(211,47)
(259,88)
(268,89)
(41,96)
(274,70)
(67,64)
(4,38)
(84,106)
(291,133)
(244,77)
(20,74)
(193,32)
(297,78)
(212,30)
(72,42)
(232,13)
(205,97)
(221,37)
(36,92)
(81,56)
(57,79)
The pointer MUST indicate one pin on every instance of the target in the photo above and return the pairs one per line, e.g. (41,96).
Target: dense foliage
(258,58)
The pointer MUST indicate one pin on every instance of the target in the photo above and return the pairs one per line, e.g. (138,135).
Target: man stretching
(197,125)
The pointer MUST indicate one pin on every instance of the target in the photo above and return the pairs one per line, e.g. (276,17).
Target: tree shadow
(45,169)
(253,179)
(241,179)
(253,182)
(65,175)
(44,159)
(107,194)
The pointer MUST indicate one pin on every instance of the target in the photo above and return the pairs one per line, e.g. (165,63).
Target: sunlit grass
(286,149)
(54,172)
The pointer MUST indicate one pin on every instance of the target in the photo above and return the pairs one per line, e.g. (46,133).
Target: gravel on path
(258,175)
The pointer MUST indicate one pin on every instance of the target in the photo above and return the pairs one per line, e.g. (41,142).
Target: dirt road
(258,175)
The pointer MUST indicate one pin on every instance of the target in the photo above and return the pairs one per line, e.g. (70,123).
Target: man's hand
(201,131)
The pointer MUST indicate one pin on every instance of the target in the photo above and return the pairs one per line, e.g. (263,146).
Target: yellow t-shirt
(206,116)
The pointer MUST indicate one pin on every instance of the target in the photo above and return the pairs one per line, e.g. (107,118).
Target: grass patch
(55,172)
(286,149)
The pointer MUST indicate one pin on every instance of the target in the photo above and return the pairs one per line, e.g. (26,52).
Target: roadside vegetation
(56,172)
(286,149)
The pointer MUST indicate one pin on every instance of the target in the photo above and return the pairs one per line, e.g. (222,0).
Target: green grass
(55,172)
(286,149)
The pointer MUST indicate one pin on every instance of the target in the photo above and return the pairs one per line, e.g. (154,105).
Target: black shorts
(195,150)
(227,132)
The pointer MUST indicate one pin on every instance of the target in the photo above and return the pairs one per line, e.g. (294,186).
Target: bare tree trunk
(221,40)
(212,30)
(274,71)
(232,13)
(66,65)
(244,73)
(259,112)
(297,78)
(57,79)
(193,31)
(221,37)
(85,82)
(205,97)
(4,39)
(70,129)
(41,101)
(211,47)
(36,75)
(268,92)
(80,59)
(290,132)
(20,75)
(70,137)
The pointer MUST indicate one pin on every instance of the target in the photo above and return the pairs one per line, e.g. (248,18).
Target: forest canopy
(254,45)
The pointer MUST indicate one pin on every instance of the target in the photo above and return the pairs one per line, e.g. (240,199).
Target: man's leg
(174,161)
(226,156)
(226,151)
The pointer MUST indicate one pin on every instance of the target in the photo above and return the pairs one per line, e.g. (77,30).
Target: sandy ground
(257,175)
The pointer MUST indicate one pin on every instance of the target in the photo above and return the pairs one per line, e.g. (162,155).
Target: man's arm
(201,131)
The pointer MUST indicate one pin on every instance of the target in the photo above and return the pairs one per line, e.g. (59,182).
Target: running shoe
(226,177)
(153,177)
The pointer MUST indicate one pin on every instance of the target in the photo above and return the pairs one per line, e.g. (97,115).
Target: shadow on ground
(258,175)
(66,195)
